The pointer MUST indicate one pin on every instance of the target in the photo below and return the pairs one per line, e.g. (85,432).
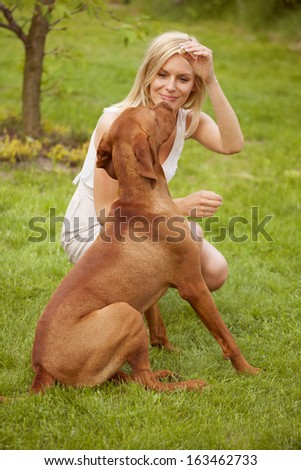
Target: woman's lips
(168,98)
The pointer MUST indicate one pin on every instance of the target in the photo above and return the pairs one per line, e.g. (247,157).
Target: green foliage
(265,16)
(270,14)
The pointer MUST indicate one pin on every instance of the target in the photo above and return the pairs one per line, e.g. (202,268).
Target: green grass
(260,301)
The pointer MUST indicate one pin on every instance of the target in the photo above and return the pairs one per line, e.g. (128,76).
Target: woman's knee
(214,266)
(219,274)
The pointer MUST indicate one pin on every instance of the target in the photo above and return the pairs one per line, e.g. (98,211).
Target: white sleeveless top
(169,166)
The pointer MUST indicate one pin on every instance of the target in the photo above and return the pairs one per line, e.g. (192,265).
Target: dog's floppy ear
(104,156)
(146,156)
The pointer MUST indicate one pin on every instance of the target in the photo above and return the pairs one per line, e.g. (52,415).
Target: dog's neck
(136,188)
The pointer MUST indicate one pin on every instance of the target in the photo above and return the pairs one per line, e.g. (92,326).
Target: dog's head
(165,121)
(144,130)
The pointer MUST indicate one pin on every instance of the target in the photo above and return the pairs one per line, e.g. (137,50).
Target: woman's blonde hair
(158,52)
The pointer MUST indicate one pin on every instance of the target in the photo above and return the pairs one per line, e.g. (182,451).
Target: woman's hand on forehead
(200,58)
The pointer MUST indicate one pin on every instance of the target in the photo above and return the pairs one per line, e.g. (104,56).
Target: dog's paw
(163,345)
(253,370)
(165,374)
(250,370)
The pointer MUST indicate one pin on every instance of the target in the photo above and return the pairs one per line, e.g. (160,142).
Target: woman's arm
(225,135)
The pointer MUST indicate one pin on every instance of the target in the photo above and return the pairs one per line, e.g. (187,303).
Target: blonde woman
(177,69)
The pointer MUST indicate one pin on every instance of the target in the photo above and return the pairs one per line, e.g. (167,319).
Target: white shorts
(80,225)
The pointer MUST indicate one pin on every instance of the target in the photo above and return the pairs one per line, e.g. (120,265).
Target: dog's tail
(41,382)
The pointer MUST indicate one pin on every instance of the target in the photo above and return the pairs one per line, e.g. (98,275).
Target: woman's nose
(171,84)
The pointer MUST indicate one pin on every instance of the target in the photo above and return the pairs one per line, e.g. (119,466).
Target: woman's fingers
(206,203)
(210,197)
(200,58)
(195,49)
(200,204)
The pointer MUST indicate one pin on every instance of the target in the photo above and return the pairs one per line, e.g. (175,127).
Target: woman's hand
(200,59)
(199,204)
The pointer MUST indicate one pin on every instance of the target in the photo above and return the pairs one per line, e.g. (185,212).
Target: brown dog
(92,324)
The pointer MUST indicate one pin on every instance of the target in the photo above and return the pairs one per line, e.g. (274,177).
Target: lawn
(260,302)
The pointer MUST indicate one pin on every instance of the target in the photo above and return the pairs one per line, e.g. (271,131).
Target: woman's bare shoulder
(104,123)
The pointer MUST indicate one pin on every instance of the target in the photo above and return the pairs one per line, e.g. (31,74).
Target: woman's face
(173,83)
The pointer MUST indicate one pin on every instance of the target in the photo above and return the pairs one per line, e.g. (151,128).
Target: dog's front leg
(202,302)
(157,330)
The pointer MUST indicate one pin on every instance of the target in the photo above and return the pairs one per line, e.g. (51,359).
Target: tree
(34,41)
(33,32)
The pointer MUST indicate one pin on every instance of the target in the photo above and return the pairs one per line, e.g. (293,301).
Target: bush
(15,150)
(59,153)
(254,14)
(57,145)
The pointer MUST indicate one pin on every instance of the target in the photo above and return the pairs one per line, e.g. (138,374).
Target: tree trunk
(33,69)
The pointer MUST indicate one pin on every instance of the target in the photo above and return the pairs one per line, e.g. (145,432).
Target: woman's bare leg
(213,264)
